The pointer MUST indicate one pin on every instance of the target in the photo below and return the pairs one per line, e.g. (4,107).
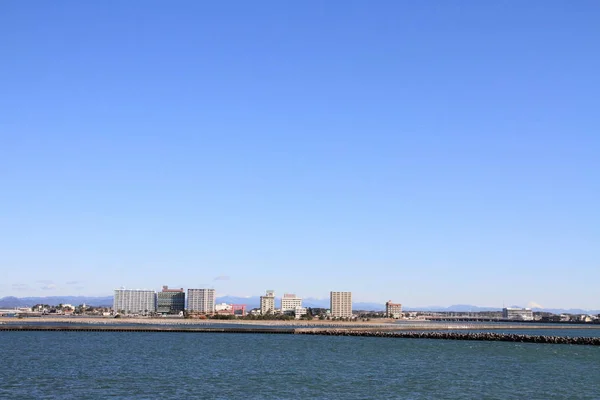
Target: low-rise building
(223,308)
(585,318)
(517,314)
(299,311)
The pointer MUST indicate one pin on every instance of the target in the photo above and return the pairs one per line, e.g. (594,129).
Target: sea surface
(167,365)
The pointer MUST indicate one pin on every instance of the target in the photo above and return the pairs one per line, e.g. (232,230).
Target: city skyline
(322,299)
(426,152)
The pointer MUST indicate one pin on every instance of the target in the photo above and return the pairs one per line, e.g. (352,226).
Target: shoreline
(182,321)
(384,325)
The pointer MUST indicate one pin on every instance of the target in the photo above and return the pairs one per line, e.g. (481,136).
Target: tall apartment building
(341,304)
(201,300)
(267,302)
(289,302)
(134,301)
(517,314)
(170,301)
(393,310)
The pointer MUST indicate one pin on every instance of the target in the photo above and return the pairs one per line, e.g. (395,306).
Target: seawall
(140,328)
(478,336)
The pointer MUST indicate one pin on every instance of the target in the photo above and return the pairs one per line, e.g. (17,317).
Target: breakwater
(141,328)
(476,336)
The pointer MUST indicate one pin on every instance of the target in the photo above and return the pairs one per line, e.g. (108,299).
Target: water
(99,365)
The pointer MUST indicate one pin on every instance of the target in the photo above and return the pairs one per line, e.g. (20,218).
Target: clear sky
(428,152)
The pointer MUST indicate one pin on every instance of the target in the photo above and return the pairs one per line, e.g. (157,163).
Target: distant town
(201,304)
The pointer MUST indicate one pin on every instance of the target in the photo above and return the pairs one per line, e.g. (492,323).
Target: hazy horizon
(425,152)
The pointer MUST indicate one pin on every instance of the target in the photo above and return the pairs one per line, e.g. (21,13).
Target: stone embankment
(480,336)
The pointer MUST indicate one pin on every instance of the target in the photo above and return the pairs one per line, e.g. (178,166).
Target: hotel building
(267,303)
(289,302)
(201,301)
(134,301)
(341,304)
(393,310)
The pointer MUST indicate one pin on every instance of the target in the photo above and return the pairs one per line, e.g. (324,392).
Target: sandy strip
(181,321)
(382,324)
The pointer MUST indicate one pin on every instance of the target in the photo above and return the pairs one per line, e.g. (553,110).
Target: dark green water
(100,365)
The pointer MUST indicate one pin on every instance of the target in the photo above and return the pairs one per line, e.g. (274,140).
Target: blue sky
(432,153)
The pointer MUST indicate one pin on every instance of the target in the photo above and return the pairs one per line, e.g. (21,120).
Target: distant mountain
(315,303)
(453,308)
(12,302)
(567,311)
(366,306)
(471,308)
(250,302)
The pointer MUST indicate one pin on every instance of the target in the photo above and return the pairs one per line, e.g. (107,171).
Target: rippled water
(99,365)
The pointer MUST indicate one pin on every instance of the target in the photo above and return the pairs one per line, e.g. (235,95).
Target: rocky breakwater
(479,336)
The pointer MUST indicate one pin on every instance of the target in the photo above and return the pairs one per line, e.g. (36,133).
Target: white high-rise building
(267,303)
(201,300)
(289,302)
(134,301)
(341,304)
